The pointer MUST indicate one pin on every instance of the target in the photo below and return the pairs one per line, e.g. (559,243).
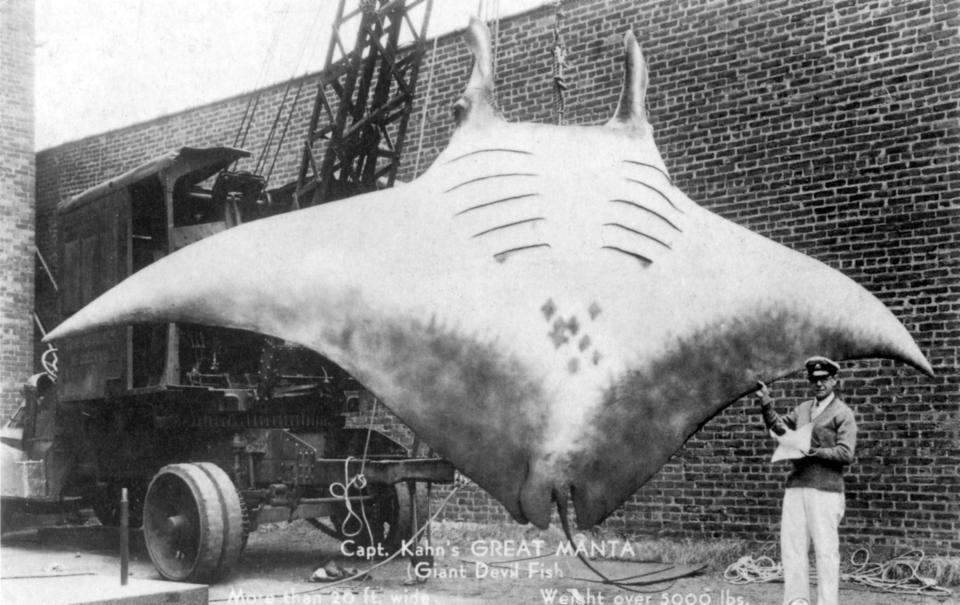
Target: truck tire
(193,522)
(106,505)
(390,513)
(411,503)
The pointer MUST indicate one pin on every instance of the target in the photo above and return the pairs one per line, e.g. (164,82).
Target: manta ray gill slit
(647,165)
(497,201)
(657,191)
(649,211)
(646,262)
(508,225)
(640,233)
(481,151)
(487,178)
(504,254)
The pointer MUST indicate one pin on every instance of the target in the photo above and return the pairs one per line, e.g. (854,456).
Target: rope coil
(900,574)
(358,481)
(342,491)
(50,362)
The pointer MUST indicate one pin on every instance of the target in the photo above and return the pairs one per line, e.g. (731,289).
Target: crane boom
(364,100)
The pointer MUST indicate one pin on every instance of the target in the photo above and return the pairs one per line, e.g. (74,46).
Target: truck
(209,431)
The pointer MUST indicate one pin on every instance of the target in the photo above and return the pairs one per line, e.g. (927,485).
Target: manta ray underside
(543,306)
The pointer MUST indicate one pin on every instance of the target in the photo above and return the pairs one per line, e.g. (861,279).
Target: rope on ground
(747,570)
(899,574)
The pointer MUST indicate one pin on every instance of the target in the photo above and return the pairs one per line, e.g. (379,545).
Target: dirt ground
(278,562)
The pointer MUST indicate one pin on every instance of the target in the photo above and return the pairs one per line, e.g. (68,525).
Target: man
(813,501)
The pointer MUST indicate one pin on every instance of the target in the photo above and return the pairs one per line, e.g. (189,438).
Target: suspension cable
(299,64)
(46,269)
(286,127)
(49,357)
(426,109)
(262,156)
(366,446)
(253,101)
(363,465)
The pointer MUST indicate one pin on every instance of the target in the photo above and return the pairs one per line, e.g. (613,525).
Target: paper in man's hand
(792,444)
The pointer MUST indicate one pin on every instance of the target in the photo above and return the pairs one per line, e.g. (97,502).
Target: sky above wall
(106,64)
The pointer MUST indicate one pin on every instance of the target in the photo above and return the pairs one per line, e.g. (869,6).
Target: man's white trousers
(810,514)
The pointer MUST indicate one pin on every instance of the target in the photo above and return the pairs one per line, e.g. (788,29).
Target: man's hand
(764,393)
(770,418)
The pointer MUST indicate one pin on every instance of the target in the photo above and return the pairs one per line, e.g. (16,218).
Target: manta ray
(543,306)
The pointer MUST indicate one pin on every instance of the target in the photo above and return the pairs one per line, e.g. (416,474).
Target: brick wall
(831,127)
(17,202)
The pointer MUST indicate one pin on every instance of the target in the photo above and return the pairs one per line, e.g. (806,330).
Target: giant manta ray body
(543,306)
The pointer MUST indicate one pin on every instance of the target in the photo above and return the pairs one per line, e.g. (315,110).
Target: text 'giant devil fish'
(543,307)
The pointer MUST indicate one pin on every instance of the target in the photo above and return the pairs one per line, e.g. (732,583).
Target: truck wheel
(411,505)
(192,522)
(106,505)
(391,515)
